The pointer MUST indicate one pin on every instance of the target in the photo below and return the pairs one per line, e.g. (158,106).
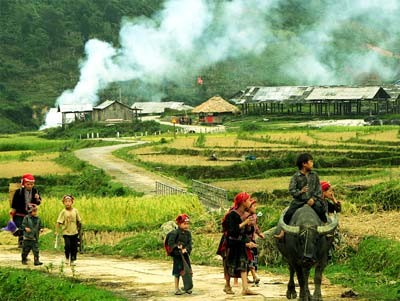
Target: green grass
(374,271)
(32,285)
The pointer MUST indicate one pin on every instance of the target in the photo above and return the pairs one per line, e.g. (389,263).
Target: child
(329,196)
(180,241)
(32,226)
(251,230)
(70,220)
(306,189)
(333,206)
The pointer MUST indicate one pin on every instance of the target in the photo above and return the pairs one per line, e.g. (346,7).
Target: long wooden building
(320,100)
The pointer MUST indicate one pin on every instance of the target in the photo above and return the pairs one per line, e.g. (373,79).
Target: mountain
(159,49)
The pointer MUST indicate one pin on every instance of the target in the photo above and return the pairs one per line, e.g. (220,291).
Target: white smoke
(183,38)
(315,65)
(188,36)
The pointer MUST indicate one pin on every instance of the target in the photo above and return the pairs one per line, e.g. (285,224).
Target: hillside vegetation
(42,44)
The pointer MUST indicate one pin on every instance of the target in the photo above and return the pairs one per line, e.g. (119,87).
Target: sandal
(179,292)
(228,290)
(257,281)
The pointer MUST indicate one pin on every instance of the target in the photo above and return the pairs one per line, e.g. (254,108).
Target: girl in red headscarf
(24,196)
(235,242)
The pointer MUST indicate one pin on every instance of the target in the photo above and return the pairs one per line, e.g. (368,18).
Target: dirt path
(151,280)
(134,177)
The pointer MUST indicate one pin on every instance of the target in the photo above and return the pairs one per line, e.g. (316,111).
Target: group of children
(237,247)
(28,225)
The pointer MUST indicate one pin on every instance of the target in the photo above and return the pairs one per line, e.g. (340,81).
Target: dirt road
(134,177)
(151,280)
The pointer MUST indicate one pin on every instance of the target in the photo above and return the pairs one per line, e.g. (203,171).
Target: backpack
(12,188)
(167,248)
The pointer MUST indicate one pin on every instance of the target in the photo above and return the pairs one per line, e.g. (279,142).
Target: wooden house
(111,111)
(342,100)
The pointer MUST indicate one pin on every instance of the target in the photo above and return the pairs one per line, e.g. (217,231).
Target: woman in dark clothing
(23,196)
(234,243)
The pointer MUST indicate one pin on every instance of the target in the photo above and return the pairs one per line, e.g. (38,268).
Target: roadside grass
(17,284)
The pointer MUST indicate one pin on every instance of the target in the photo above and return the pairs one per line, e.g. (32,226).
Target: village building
(75,112)
(214,109)
(159,108)
(111,111)
(323,101)
(348,100)
(280,99)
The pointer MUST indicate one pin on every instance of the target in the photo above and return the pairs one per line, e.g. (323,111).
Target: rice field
(36,163)
(120,213)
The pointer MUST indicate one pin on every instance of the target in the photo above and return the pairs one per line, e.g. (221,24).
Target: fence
(165,189)
(210,195)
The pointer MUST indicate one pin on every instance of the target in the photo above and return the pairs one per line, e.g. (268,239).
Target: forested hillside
(297,43)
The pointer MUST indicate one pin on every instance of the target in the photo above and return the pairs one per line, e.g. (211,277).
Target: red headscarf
(325,185)
(240,198)
(27,178)
(181,218)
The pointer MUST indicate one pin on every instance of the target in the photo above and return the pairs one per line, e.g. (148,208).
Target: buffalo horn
(288,228)
(329,227)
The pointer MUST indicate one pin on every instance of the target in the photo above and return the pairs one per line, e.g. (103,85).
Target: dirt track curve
(134,177)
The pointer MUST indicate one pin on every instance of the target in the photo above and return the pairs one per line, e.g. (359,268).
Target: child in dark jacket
(180,242)
(32,226)
(305,188)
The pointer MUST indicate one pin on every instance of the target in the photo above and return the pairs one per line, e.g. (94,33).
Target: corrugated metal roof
(259,94)
(104,104)
(75,108)
(154,107)
(347,93)
(393,91)
(216,104)
(282,93)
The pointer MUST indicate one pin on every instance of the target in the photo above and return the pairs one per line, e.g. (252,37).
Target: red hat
(240,198)
(27,178)
(325,185)
(181,218)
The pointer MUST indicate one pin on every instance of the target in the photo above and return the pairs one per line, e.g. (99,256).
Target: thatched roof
(216,104)
(347,93)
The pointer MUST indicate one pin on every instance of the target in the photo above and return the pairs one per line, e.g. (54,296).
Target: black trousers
(29,245)
(294,205)
(70,246)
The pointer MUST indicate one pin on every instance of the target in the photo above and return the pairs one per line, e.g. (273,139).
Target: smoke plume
(282,42)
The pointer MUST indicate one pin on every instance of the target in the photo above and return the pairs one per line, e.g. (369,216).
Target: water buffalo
(305,245)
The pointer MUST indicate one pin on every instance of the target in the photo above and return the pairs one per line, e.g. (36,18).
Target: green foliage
(250,127)
(201,140)
(16,284)
(81,130)
(384,196)
(378,255)
(30,143)
(374,270)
